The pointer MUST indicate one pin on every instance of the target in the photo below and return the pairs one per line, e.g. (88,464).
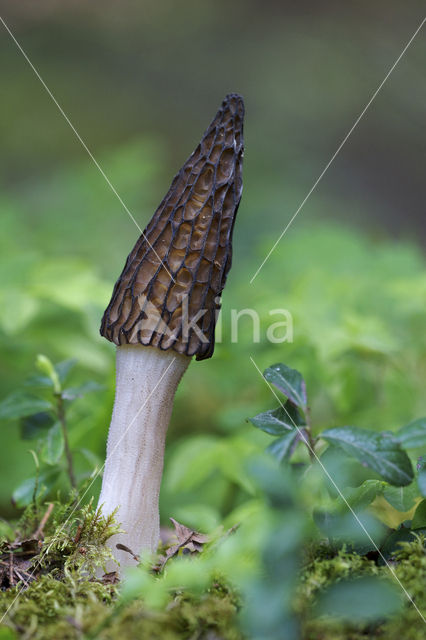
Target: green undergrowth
(60,599)
(330,544)
(78,608)
(49,589)
(409,566)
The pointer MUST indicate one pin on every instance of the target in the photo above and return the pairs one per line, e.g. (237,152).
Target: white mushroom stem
(147,379)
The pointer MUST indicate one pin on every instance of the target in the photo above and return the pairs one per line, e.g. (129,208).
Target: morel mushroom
(162,312)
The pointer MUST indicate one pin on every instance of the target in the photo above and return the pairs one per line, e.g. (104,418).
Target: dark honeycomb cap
(168,295)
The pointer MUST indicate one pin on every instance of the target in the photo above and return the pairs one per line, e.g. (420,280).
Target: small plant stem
(63,422)
(311,440)
(36,484)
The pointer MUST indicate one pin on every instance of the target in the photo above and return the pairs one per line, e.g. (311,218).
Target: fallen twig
(45,518)
(11,570)
(20,576)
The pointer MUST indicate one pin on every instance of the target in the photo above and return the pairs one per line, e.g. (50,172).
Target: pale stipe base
(146,383)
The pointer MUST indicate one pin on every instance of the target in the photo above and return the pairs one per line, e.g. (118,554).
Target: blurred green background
(140,82)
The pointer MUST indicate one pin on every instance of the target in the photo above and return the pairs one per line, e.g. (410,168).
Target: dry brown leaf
(188,541)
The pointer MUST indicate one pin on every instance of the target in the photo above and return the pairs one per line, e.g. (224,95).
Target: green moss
(48,603)
(64,602)
(61,599)
(410,569)
(185,617)
(52,609)
(409,564)
(324,570)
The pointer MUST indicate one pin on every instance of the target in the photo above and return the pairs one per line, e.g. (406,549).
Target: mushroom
(162,312)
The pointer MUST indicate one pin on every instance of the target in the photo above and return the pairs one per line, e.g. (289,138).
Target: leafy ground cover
(312,555)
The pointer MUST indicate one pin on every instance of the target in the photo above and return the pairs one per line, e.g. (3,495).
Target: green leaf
(78,392)
(413,435)
(20,404)
(54,446)
(343,470)
(362,531)
(378,451)
(36,425)
(278,421)
(283,447)
(36,381)
(63,368)
(401,498)
(393,540)
(421,477)
(23,494)
(360,600)
(419,518)
(361,497)
(289,381)
(45,366)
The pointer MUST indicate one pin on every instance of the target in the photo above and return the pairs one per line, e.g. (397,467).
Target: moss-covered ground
(48,591)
